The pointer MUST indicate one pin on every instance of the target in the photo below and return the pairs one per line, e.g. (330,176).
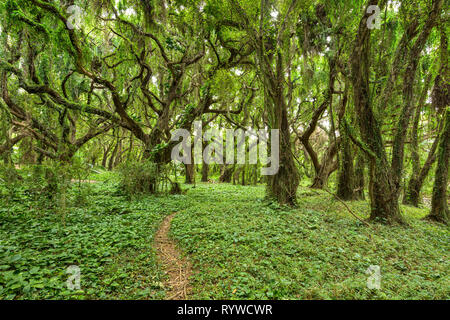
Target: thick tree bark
(283,185)
(385,179)
(226,173)
(205,171)
(439,205)
(190,173)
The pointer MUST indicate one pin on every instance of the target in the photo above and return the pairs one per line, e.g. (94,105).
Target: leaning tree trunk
(439,205)
(412,192)
(439,102)
(113,156)
(412,196)
(323,169)
(327,167)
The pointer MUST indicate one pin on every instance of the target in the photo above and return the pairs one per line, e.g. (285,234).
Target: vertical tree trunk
(190,173)
(439,205)
(408,95)
(112,158)
(283,185)
(255,175)
(359,177)
(382,190)
(205,171)
(226,173)
(346,174)
(237,173)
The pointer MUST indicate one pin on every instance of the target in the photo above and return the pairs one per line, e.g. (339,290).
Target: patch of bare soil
(177,268)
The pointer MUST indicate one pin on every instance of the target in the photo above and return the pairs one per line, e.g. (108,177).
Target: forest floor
(239,245)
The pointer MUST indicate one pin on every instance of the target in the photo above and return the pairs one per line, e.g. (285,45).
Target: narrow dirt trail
(83,181)
(177,268)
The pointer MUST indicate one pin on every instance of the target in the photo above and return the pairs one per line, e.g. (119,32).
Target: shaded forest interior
(91,93)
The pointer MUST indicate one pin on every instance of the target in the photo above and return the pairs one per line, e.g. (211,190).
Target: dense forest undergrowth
(286,149)
(240,245)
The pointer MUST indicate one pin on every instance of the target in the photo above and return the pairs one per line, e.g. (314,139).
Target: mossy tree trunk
(441,94)
(189,173)
(439,205)
(385,178)
(360,182)
(283,185)
(383,200)
(440,100)
(346,173)
(273,61)
(418,174)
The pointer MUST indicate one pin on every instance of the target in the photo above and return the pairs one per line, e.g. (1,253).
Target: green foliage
(138,178)
(111,242)
(243,248)
(165,65)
